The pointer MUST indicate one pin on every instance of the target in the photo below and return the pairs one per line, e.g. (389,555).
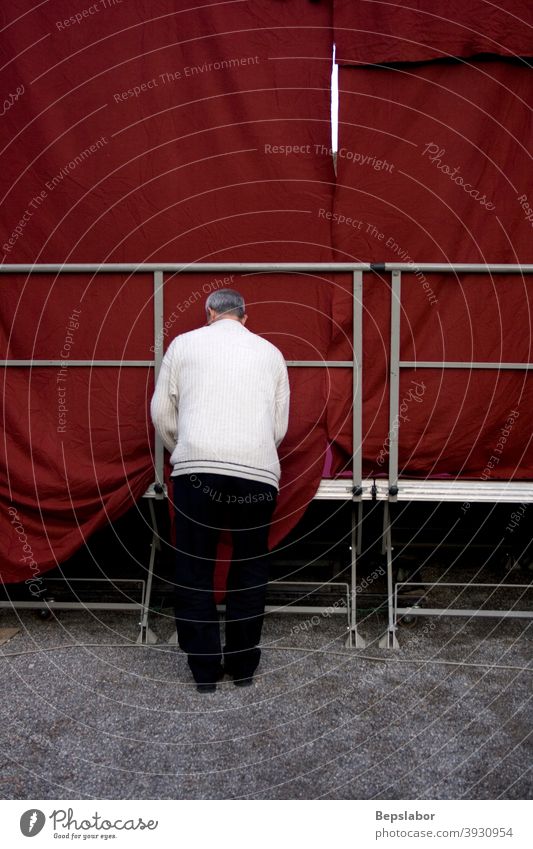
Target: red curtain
(145,132)
(433,166)
(153,132)
(372,31)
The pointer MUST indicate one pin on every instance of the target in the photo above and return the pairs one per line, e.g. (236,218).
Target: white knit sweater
(221,403)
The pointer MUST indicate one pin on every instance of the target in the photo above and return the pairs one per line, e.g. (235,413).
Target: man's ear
(210,315)
(244,319)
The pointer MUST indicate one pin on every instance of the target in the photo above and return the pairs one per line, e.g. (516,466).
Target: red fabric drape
(153,131)
(372,31)
(190,111)
(156,132)
(433,167)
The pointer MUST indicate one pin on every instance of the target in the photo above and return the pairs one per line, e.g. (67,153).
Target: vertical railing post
(357,383)
(394,380)
(354,639)
(159,449)
(389,639)
(156,491)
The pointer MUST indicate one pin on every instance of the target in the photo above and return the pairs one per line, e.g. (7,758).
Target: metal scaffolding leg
(389,639)
(384,531)
(354,639)
(157,490)
(359,527)
(146,635)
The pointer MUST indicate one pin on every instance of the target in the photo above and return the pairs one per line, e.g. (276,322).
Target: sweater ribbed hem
(210,467)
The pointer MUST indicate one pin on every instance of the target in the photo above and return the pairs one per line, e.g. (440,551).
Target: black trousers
(205,505)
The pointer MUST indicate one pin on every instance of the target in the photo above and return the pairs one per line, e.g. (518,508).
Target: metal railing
(359,488)
(396,363)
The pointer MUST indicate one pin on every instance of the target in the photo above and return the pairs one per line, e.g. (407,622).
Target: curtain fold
(379,31)
(433,166)
(151,132)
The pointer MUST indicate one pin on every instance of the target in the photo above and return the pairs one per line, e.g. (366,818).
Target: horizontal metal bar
(329,489)
(446,611)
(320,363)
(465,584)
(72,605)
(182,267)
(458,490)
(79,363)
(151,363)
(112,581)
(465,267)
(269,267)
(339,490)
(436,543)
(297,608)
(328,584)
(453,364)
(290,363)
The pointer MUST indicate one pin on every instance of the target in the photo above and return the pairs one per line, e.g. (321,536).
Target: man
(221,407)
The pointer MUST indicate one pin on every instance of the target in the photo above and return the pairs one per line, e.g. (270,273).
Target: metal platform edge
(341,489)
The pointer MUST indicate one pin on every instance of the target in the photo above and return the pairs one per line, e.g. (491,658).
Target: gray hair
(226,301)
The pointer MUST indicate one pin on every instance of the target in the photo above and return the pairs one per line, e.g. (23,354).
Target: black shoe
(238,679)
(210,686)
(243,682)
(206,688)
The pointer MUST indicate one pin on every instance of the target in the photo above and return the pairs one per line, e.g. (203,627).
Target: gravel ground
(109,722)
